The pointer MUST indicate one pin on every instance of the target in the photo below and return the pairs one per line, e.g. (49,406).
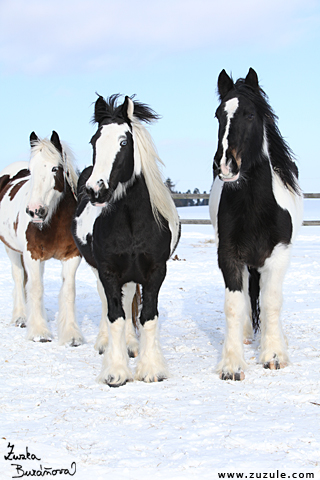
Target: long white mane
(160,197)
(67,163)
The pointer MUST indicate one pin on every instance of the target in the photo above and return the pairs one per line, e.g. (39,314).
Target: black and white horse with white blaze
(256,210)
(126,226)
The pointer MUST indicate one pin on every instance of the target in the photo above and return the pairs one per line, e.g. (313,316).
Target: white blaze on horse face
(107,147)
(230,109)
(42,183)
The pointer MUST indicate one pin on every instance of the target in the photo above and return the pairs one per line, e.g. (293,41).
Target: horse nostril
(30,212)
(42,212)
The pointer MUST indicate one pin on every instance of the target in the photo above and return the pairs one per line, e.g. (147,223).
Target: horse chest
(249,230)
(129,242)
(55,239)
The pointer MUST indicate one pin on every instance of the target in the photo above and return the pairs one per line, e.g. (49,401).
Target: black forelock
(109,110)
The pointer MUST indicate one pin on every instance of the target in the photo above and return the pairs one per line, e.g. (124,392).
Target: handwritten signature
(35,472)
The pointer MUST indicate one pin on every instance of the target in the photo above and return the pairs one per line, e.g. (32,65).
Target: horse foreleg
(68,328)
(103,335)
(273,352)
(236,307)
(129,290)
(19,316)
(37,327)
(233,363)
(115,366)
(151,365)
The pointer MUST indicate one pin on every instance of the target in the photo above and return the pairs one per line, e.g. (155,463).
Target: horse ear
(225,84)
(100,108)
(55,140)
(33,139)
(252,79)
(128,108)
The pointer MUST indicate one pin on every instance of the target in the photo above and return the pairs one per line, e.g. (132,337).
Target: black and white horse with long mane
(256,210)
(126,226)
(37,204)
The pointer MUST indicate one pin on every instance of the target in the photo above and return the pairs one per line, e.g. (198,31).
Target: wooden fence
(198,221)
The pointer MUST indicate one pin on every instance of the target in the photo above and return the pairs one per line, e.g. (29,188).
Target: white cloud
(44,35)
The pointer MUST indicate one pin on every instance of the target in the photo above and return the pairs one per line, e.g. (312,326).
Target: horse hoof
(42,339)
(75,342)
(101,345)
(21,322)
(111,382)
(247,341)
(237,376)
(132,353)
(159,378)
(274,364)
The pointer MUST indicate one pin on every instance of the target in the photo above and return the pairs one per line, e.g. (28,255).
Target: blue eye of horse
(123,143)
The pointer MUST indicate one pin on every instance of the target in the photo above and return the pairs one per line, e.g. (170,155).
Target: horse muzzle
(99,197)
(229,171)
(39,214)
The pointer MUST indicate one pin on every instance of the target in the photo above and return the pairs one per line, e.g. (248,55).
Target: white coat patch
(85,221)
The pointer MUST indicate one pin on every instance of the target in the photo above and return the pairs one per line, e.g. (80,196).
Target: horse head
(241,126)
(47,177)
(114,155)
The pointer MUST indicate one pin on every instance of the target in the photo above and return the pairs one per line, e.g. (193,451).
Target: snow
(192,425)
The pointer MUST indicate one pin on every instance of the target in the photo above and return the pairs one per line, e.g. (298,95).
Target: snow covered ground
(191,426)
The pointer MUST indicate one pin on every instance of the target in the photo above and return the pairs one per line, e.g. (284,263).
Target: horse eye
(55,169)
(123,143)
(250,116)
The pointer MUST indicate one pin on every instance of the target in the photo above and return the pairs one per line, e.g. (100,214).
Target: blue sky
(54,56)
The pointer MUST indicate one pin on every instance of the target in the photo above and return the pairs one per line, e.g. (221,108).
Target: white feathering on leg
(115,369)
(151,366)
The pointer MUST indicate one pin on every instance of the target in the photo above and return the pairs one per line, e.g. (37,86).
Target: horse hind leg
(130,302)
(103,335)
(151,365)
(68,328)
(247,324)
(273,352)
(19,316)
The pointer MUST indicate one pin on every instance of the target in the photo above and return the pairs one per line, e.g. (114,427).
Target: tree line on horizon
(186,202)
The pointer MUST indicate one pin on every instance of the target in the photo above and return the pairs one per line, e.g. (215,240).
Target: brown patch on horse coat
(16,189)
(59,180)
(55,239)
(236,157)
(4,179)
(7,244)
(15,224)
(6,183)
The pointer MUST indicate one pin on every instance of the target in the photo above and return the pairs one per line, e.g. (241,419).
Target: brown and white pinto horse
(37,203)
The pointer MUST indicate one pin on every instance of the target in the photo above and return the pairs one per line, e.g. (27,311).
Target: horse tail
(254,292)
(136,303)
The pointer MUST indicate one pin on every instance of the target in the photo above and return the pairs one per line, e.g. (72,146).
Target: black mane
(281,155)
(109,110)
